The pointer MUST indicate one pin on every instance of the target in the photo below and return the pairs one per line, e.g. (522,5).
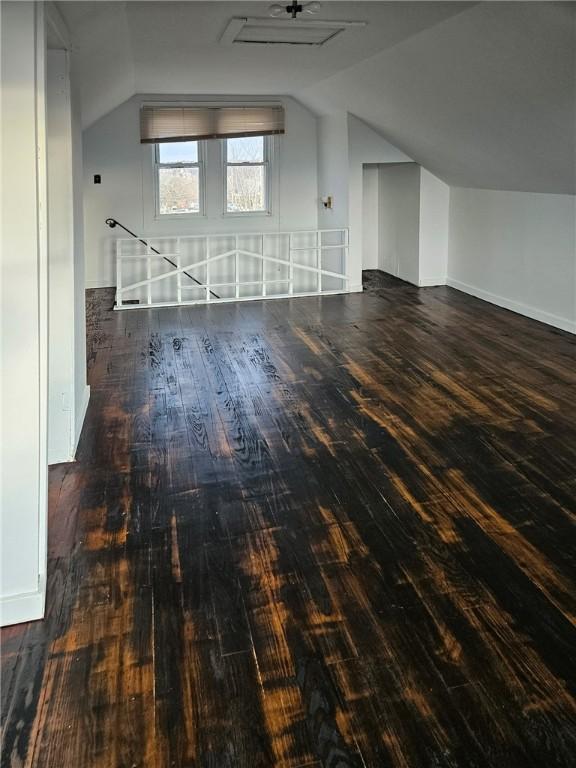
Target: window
(230,177)
(179,178)
(246,174)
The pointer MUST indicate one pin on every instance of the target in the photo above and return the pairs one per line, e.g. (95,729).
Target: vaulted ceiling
(482,94)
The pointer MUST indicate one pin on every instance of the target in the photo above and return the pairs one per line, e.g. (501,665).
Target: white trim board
(74,436)
(99,284)
(430,282)
(231,300)
(80,422)
(28,606)
(515,306)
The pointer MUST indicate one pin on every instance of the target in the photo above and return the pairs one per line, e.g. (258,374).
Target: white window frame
(200,164)
(267,163)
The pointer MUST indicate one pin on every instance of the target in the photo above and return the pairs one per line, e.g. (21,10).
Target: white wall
(399,187)
(68,392)
(81,388)
(333,170)
(370,217)
(60,259)
(434,225)
(23,313)
(517,250)
(112,149)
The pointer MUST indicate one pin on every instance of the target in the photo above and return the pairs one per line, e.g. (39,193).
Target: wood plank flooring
(327,532)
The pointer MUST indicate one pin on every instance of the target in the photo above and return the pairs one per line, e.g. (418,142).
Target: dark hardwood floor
(327,532)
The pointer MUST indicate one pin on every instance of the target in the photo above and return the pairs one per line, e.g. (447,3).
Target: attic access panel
(283,31)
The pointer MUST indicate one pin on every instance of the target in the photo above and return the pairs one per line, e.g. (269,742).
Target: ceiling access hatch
(283,31)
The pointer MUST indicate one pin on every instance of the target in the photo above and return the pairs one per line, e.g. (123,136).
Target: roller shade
(165,124)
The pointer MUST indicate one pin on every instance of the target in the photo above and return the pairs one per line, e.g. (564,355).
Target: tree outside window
(246,174)
(178,167)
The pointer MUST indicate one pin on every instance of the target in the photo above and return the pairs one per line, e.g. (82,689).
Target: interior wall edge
(26,606)
(430,282)
(80,420)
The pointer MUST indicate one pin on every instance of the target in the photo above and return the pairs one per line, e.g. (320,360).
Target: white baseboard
(60,454)
(99,284)
(514,306)
(429,282)
(357,288)
(80,420)
(28,606)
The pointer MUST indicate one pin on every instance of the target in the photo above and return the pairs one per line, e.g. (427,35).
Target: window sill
(246,214)
(179,216)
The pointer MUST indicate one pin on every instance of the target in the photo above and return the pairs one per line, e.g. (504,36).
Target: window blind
(165,124)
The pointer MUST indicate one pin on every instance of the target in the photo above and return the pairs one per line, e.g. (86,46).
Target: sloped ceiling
(485,99)
(481,94)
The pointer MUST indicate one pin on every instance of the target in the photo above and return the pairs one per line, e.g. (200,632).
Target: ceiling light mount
(257,30)
(294,9)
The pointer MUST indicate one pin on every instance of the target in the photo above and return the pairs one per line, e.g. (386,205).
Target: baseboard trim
(97,284)
(358,288)
(514,306)
(27,606)
(430,282)
(80,422)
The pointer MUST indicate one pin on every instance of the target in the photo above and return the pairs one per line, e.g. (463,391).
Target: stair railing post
(207,269)
(290,265)
(118,274)
(237,267)
(263,269)
(149,274)
(319,259)
(178,274)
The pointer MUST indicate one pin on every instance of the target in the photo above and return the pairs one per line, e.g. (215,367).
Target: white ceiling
(173,47)
(481,94)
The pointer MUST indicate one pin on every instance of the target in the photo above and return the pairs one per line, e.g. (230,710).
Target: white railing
(200,269)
